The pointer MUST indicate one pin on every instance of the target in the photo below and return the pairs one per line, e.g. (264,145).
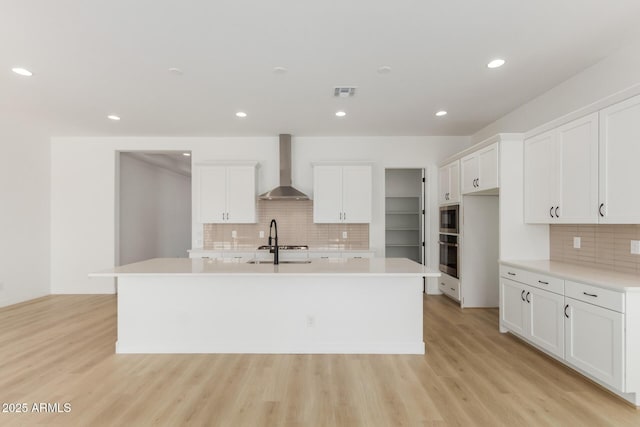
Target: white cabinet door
(443,184)
(454,182)
(512,305)
(356,194)
(578,163)
(241,194)
(211,194)
(540,193)
(469,173)
(594,341)
(619,159)
(327,194)
(487,168)
(545,320)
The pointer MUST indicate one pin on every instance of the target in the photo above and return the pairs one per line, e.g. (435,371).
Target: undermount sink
(270,261)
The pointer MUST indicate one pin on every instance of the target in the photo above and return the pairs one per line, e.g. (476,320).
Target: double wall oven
(449,239)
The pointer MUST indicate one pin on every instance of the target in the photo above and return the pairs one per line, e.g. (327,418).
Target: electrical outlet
(234,234)
(311,321)
(576,243)
(344,234)
(635,247)
(261,234)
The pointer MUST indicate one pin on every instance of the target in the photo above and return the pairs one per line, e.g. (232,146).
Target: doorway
(405,214)
(153,205)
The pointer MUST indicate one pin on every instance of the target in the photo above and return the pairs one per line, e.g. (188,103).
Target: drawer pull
(510,273)
(442,284)
(590,295)
(453,289)
(565,311)
(528,300)
(544,283)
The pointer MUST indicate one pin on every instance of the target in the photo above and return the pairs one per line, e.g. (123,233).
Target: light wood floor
(61,349)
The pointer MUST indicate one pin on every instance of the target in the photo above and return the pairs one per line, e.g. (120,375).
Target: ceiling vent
(344,92)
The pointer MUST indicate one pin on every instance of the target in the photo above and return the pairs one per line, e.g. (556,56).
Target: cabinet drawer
(450,286)
(594,295)
(538,280)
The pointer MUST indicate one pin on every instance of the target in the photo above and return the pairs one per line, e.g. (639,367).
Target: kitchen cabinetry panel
(225,194)
(480,170)
(212,193)
(512,305)
(561,174)
(342,194)
(539,176)
(356,194)
(619,157)
(594,341)
(241,194)
(449,183)
(545,320)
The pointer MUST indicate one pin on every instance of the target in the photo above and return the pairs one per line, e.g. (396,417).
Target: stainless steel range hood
(284,191)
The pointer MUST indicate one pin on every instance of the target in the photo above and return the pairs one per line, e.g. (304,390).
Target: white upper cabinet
(619,159)
(225,193)
(449,183)
(561,174)
(342,193)
(480,170)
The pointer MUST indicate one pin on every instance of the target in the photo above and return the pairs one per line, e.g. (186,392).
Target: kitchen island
(178,305)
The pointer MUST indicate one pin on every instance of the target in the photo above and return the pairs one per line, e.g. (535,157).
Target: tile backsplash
(602,246)
(295,226)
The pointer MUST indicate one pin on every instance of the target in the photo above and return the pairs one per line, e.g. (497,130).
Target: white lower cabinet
(593,329)
(594,341)
(535,314)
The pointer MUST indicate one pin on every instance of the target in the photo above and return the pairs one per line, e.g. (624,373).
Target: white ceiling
(93,58)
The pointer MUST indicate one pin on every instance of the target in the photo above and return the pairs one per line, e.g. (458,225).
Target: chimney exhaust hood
(284,191)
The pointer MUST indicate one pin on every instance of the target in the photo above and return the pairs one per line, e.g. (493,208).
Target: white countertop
(399,267)
(251,250)
(604,278)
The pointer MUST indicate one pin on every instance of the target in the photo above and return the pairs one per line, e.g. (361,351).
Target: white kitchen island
(178,305)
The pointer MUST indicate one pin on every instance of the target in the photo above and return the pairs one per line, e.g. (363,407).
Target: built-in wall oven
(449,254)
(449,239)
(449,219)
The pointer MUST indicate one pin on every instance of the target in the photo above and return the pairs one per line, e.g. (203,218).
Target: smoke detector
(344,92)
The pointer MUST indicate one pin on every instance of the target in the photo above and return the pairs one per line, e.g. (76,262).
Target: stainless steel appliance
(449,254)
(449,219)
(284,191)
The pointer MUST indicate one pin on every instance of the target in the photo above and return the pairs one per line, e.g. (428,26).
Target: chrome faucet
(274,248)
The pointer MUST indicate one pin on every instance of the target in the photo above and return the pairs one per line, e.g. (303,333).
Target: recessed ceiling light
(22,71)
(176,71)
(241,114)
(341,114)
(279,70)
(186,154)
(441,113)
(496,63)
(113,117)
(385,69)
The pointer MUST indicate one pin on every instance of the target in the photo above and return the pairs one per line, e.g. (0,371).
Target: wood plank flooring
(61,349)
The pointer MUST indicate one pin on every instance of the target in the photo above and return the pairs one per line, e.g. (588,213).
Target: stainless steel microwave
(449,219)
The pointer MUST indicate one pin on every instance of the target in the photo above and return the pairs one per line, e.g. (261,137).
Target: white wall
(155,211)
(24,211)
(83,187)
(617,72)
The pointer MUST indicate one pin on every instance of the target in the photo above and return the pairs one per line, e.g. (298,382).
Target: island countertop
(399,267)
